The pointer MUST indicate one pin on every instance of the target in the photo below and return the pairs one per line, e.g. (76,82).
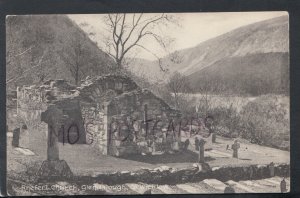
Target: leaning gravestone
(53,168)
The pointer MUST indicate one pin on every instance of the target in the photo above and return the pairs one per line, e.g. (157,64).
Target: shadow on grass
(247,159)
(180,157)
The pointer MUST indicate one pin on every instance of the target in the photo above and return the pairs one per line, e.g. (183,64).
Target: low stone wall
(167,175)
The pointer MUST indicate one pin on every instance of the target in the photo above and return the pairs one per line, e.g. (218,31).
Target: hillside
(253,50)
(253,74)
(50,47)
(262,37)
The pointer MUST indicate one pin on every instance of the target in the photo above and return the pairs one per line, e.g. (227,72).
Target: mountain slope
(42,47)
(253,74)
(262,37)
(256,54)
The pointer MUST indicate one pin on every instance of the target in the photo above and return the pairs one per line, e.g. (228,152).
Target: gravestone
(251,172)
(147,192)
(214,138)
(24,137)
(235,147)
(213,134)
(229,189)
(196,144)
(53,168)
(176,146)
(201,150)
(186,144)
(272,169)
(16,137)
(209,124)
(283,186)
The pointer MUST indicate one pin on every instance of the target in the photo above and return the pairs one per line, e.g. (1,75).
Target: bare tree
(127,31)
(74,56)
(178,85)
(25,55)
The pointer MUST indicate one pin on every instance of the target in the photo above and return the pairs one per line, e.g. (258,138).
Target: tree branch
(27,70)
(159,59)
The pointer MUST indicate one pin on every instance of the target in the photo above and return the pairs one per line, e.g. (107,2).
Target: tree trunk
(76,73)
(76,78)
(119,63)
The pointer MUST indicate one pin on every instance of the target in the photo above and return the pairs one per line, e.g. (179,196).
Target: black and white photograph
(148,103)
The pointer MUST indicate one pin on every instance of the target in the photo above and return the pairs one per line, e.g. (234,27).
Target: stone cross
(53,168)
(201,150)
(54,118)
(235,147)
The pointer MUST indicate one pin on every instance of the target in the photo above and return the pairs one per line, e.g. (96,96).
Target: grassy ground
(84,160)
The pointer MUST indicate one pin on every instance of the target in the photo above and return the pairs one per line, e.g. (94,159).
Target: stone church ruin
(111,113)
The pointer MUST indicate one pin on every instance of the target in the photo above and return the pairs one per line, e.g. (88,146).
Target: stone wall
(11,109)
(195,173)
(93,108)
(94,97)
(32,101)
(30,104)
(93,118)
(129,133)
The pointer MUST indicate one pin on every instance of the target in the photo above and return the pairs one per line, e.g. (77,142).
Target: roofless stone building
(111,113)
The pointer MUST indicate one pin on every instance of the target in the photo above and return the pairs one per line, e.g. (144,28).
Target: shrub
(227,121)
(266,121)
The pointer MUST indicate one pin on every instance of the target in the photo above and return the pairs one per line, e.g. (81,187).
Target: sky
(194,28)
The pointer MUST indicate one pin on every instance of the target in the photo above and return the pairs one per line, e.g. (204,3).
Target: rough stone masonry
(111,113)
